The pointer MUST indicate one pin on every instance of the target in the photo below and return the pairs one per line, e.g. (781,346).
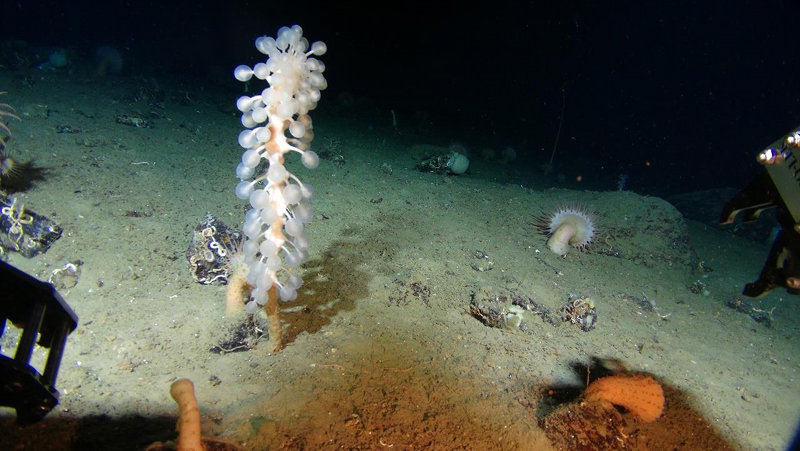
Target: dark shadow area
(90,433)
(333,281)
(331,285)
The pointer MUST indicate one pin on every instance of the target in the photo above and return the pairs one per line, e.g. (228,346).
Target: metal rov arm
(778,185)
(38,309)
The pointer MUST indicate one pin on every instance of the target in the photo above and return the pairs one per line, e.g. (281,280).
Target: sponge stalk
(273,315)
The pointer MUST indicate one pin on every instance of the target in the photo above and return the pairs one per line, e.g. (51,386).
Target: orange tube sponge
(182,391)
(640,394)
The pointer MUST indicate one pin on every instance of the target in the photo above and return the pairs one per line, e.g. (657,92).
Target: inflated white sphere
(287,109)
(243,189)
(284,38)
(317,80)
(268,96)
(268,215)
(247,120)
(259,198)
(263,134)
(250,247)
(259,295)
(274,262)
(257,267)
(291,194)
(242,72)
(267,247)
(287,293)
(259,115)
(261,71)
(247,138)
(301,45)
(304,213)
(250,158)
(319,48)
(251,229)
(297,129)
(266,45)
(273,63)
(244,172)
(276,173)
(252,214)
(294,227)
(251,307)
(244,103)
(319,66)
(310,159)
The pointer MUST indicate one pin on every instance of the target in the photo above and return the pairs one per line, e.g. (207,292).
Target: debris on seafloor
(509,312)
(757,314)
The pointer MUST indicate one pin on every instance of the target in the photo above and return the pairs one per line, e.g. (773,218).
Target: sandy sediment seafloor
(381,348)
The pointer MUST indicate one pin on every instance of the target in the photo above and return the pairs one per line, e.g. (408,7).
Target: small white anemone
(569,227)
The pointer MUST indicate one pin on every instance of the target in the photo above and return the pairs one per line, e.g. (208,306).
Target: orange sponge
(182,391)
(640,394)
